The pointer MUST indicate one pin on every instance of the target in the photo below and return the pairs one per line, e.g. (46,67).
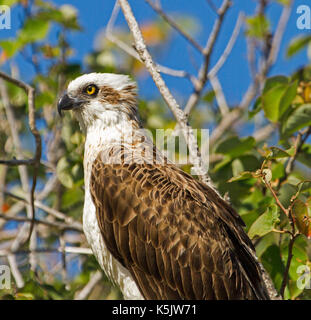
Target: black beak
(67,103)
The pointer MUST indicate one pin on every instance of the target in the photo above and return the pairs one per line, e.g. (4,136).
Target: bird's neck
(101,137)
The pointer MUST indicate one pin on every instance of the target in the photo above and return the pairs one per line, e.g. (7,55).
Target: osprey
(157,232)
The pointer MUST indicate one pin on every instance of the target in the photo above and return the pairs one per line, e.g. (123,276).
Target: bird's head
(104,98)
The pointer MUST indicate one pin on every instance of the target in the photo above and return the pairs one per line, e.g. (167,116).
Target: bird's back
(175,235)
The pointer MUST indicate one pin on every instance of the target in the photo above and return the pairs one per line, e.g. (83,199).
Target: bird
(157,232)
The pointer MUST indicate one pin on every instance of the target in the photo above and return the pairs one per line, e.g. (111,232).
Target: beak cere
(67,103)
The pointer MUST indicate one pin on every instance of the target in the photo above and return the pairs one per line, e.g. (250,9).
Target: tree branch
(166,94)
(174,25)
(84,293)
(131,52)
(231,118)
(207,52)
(32,124)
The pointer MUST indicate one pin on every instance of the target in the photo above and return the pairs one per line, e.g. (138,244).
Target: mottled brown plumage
(177,237)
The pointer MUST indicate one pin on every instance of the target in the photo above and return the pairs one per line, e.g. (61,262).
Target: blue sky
(234,75)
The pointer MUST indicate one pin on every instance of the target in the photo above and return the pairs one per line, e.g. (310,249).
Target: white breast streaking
(113,269)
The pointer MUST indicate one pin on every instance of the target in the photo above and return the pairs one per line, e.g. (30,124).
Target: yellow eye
(91,89)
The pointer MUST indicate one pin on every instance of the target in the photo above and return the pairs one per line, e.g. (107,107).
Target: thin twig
(263,133)
(85,292)
(219,94)
(175,26)
(16,162)
(55,213)
(288,263)
(207,52)
(278,202)
(231,118)
(229,46)
(299,142)
(60,225)
(131,52)
(66,249)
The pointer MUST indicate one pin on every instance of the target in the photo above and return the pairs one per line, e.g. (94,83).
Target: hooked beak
(67,103)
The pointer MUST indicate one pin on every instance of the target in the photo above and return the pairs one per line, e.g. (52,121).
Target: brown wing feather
(177,237)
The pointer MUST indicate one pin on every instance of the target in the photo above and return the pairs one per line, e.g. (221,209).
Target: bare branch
(16,162)
(84,293)
(67,249)
(277,200)
(131,52)
(263,133)
(216,28)
(166,94)
(229,46)
(207,52)
(301,138)
(60,225)
(55,213)
(32,124)
(220,97)
(289,260)
(212,6)
(278,35)
(235,115)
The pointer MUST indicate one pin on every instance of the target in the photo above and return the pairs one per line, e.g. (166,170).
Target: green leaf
(34,30)
(274,82)
(284,2)
(277,153)
(223,163)
(298,119)
(278,170)
(66,15)
(237,167)
(256,108)
(264,244)
(304,155)
(278,94)
(8,2)
(62,170)
(258,26)
(242,176)
(285,193)
(235,146)
(265,223)
(288,97)
(72,197)
(302,216)
(209,96)
(273,263)
(271,101)
(297,45)
(10,47)
(44,98)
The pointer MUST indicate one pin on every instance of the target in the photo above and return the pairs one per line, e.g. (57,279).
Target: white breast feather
(96,138)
